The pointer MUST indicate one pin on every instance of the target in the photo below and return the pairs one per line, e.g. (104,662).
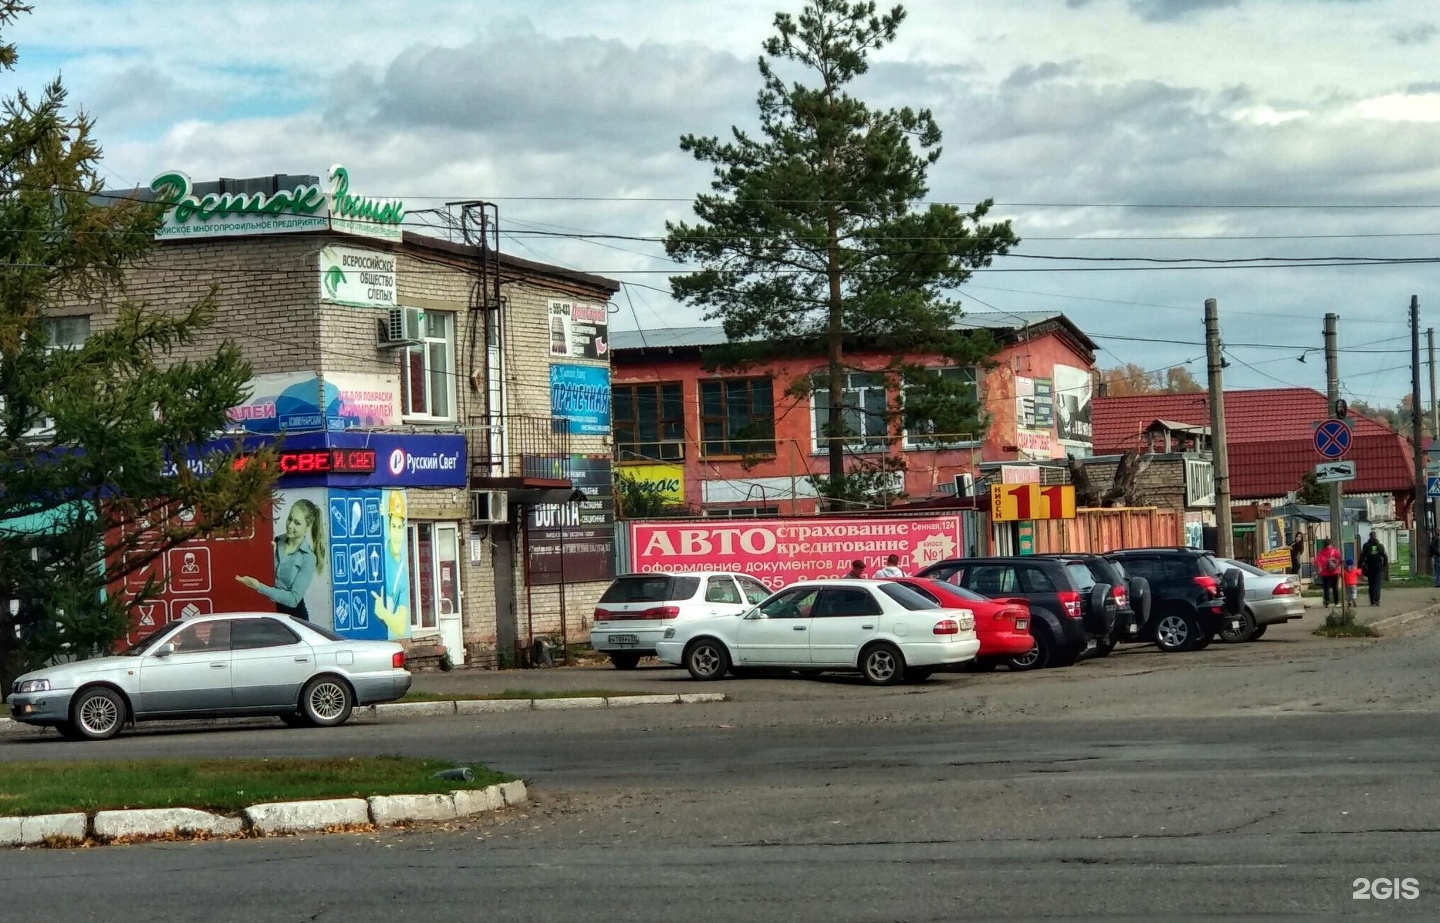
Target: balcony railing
(518,445)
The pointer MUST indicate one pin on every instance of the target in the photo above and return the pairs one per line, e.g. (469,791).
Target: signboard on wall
(359,278)
(580,394)
(370,563)
(305,402)
(574,542)
(1072,406)
(1022,502)
(666,481)
(579,331)
(782,551)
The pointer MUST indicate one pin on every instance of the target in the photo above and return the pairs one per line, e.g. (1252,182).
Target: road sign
(1432,487)
(1330,472)
(1019,502)
(1332,438)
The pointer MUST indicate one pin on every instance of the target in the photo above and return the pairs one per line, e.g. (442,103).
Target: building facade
(742,443)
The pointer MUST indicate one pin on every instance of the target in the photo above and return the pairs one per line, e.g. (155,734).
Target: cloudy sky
(1119,133)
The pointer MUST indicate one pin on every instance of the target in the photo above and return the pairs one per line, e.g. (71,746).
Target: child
(1352,581)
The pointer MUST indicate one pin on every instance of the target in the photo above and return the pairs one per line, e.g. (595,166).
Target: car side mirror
(754,614)
(165,650)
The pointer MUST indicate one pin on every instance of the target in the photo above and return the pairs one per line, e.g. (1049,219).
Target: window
(755,591)
(434,574)
(920,433)
(208,637)
(722,590)
(68,332)
(648,421)
(837,603)
(793,604)
(1035,580)
(993,580)
(865,419)
(738,512)
(248,634)
(737,417)
(912,598)
(427,369)
(650,589)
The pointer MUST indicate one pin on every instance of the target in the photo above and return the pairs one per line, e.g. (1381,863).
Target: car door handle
(797,627)
(218,666)
(302,659)
(867,627)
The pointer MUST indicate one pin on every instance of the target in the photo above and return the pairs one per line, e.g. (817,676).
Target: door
(447,590)
(502,566)
(778,632)
(845,618)
(268,664)
(196,677)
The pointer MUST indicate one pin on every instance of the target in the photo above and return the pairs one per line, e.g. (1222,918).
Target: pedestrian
(1374,561)
(1435,557)
(1297,548)
(1327,565)
(1352,581)
(891,568)
(857,570)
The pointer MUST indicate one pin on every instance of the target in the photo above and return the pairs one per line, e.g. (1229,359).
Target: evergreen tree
(812,240)
(99,474)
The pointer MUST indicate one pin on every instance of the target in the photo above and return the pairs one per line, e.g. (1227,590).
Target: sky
(1126,140)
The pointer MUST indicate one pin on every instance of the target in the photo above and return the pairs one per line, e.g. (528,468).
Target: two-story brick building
(440,405)
(736,443)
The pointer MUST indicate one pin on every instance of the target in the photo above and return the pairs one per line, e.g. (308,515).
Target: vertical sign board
(580,394)
(574,542)
(1021,502)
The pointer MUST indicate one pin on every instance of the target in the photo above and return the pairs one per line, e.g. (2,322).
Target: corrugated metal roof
(1270,434)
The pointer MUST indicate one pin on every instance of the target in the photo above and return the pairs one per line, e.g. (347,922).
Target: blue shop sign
(399,459)
(580,394)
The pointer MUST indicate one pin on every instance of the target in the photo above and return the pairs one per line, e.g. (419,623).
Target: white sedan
(884,630)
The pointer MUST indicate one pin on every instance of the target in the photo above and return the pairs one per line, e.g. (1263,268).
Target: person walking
(891,568)
(1352,582)
(1327,565)
(857,570)
(1373,562)
(1435,557)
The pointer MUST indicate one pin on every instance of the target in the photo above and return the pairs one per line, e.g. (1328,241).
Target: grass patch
(225,786)
(515,694)
(1345,626)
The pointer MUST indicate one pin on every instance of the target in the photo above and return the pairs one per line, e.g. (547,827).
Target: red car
(1002,625)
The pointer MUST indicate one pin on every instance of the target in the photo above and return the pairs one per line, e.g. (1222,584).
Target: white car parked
(1270,599)
(637,608)
(884,630)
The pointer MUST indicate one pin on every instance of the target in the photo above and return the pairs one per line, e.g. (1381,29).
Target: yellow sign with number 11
(1019,502)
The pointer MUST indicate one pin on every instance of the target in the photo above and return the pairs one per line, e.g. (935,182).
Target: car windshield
(650,588)
(144,644)
(944,587)
(1250,569)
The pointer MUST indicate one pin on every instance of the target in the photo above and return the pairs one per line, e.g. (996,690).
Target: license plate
(1021,624)
(623,639)
(1235,624)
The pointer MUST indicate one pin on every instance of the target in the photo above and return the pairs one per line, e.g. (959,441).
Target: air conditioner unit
(489,506)
(395,332)
(965,485)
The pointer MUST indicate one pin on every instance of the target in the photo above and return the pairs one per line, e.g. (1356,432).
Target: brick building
(448,389)
(736,444)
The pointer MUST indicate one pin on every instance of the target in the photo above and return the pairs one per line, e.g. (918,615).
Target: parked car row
(1027,612)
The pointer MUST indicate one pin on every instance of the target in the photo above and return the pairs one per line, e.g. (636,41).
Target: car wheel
(882,665)
(918,674)
(1176,632)
(707,659)
(1258,632)
(625,660)
(1037,658)
(326,701)
(1245,632)
(295,720)
(1202,642)
(97,714)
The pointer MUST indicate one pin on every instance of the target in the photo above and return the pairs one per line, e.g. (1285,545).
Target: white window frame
(440,530)
(918,442)
(866,441)
(417,327)
(53,327)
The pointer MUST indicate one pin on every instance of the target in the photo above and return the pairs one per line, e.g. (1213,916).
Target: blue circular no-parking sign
(1332,438)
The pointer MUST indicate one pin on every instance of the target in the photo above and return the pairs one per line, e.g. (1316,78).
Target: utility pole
(1434,520)
(1332,394)
(1220,459)
(1420,551)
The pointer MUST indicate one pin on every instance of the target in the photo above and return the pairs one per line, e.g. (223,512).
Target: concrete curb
(1404,618)
(278,817)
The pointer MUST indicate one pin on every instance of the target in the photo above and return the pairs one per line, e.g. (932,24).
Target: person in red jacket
(1327,565)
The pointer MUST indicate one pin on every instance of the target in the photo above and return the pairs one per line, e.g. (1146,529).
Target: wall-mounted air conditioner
(397,329)
(489,506)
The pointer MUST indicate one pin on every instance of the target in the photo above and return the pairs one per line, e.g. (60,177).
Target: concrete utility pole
(1220,459)
(1434,429)
(1332,394)
(1420,552)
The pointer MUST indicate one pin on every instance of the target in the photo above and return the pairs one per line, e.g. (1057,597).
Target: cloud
(1420,33)
(1165,10)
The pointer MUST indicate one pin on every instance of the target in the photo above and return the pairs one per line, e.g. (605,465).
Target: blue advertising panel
(369,459)
(581,395)
(369,567)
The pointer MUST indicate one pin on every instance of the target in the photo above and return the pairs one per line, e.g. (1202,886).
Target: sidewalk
(1394,601)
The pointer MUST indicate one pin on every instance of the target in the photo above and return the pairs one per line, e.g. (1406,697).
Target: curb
(1405,618)
(259,820)
(445,708)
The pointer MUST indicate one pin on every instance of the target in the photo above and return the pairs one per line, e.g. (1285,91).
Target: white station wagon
(886,631)
(637,608)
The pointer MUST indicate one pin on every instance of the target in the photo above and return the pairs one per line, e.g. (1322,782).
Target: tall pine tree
(99,474)
(813,240)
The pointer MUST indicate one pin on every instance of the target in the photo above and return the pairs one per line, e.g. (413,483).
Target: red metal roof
(1270,435)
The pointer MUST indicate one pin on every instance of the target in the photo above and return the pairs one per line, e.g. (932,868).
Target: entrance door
(447,591)
(503,565)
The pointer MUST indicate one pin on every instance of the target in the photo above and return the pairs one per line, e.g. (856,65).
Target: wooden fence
(1101,530)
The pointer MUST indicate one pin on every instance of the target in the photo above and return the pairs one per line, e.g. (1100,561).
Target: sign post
(1332,441)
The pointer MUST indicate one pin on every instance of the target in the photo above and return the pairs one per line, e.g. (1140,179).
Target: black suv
(1191,598)
(1090,569)
(1065,615)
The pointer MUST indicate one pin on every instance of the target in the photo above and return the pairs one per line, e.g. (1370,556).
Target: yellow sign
(1021,502)
(666,481)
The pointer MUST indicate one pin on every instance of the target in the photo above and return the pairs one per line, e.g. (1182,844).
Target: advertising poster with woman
(299,583)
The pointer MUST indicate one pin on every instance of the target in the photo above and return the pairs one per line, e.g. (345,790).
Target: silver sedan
(243,663)
(1269,600)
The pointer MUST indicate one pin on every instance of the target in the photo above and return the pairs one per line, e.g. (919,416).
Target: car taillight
(603,615)
(947,627)
(657,613)
(1284,589)
(1070,599)
(397,660)
(1121,600)
(1208,583)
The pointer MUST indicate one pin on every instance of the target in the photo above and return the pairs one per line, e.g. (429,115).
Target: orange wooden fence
(1101,530)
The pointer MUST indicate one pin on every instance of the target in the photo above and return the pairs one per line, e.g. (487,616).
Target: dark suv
(1191,598)
(1090,569)
(1066,616)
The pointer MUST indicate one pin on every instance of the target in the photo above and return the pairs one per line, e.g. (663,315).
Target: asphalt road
(861,805)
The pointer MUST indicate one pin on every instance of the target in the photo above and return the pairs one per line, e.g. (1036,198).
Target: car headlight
(35,685)
(669,634)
